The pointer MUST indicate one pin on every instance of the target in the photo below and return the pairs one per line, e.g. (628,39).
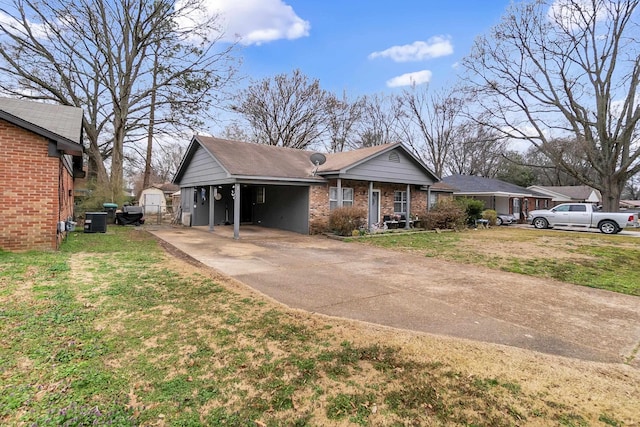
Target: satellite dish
(318,159)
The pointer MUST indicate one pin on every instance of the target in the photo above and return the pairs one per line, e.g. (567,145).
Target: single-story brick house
(569,193)
(503,197)
(41,146)
(231,182)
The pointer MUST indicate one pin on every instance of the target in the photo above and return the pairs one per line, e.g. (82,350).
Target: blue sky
(336,41)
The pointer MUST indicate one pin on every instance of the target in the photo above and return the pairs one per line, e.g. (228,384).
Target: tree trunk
(611,192)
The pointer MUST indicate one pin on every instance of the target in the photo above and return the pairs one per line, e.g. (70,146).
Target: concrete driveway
(409,291)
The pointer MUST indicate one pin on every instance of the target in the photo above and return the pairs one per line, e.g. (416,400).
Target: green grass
(594,260)
(106,332)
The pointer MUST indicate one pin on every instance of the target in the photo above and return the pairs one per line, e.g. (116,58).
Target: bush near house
(343,221)
(446,214)
(490,215)
(473,209)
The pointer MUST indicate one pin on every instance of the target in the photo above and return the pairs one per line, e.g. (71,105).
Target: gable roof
(60,123)
(340,163)
(469,184)
(571,192)
(260,161)
(247,159)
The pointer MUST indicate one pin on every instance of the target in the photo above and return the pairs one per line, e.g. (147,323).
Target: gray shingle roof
(243,159)
(476,184)
(259,160)
(61,120)
(575,192)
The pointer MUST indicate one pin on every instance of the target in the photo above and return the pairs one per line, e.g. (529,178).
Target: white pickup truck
(583,215)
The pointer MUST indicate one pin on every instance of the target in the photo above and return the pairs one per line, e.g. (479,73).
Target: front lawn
(589,259)
(112,330)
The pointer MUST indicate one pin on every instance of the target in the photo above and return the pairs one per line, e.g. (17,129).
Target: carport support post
(236,211)
(212,199)
(408,214)
(370,202)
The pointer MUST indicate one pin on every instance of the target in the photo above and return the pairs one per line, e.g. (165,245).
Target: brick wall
(35,191)
(319,200)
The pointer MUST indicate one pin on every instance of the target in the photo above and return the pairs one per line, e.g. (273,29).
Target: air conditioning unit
(95,222)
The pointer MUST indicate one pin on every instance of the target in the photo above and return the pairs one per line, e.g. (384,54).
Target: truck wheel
(608,227)
(540,223)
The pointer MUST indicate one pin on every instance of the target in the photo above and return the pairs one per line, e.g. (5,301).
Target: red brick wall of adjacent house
(319,200)
(35,191)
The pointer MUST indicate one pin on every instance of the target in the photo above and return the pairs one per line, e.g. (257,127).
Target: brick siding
(319,200)
(35,191)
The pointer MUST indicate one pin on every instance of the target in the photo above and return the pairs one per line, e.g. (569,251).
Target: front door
(374,208)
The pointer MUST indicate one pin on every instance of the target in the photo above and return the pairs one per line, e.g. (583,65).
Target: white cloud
(572,14)
(409,79)
(417,51)
(257,21)
(15,27)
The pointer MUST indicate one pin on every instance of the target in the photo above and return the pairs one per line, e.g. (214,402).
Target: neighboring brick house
(41,146)
(282,188)
(569,193)
(503,197)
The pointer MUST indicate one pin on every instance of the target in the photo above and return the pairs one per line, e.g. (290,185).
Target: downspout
(428,198)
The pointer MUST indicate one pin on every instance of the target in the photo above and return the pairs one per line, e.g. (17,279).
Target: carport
(227,183)
(265,204)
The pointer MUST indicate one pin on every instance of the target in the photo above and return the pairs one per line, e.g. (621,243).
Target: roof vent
(394,157)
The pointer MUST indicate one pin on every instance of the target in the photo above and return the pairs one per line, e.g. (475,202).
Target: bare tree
(430,121)
(566,69)
(548,173)
(97,55)
(235,132)
(632,189)
(344,117)
(379,122)
(285,110)
(476,150)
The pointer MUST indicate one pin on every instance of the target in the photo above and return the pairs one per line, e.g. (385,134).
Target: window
(546,203)
(516,208)
(562,208)
(347,197)
(400,202)
(260,195)
(578,208)
(433,200)
(537,204)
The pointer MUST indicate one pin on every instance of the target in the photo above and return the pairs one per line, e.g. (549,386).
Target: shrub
(490,215)
(343,221)
(473,209)
(446,214)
